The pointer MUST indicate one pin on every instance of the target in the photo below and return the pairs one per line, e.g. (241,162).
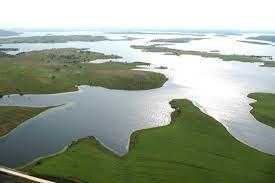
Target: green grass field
(60,70)
(264,109)
(193,148)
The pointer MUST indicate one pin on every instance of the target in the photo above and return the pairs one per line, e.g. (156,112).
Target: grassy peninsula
(60,70)
(232,57)
(264,108)
(193,148)
(52,39)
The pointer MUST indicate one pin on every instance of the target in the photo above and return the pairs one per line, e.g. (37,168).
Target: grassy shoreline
(62,70)
(194,148)
(11,117)
(264,108)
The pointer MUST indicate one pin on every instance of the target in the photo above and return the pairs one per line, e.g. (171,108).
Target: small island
(8,49)
(161,67)
(224,57)
(254,42)
(263,38)
(177,40)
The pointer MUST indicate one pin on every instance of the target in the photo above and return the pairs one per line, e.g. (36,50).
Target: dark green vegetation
(263,38)
(193,148)
(8,33)
(177,40)
(52,39)
(233,57)
(11,117)
(8,49)
(254,42)
(60,70)
(264,109)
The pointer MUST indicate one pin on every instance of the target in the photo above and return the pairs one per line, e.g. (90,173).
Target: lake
(218,88)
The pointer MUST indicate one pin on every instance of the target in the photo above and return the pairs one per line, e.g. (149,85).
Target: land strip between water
(233,57)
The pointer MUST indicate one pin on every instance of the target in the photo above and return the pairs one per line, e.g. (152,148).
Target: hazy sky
(193,14)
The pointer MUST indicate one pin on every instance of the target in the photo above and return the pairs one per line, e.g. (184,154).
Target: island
(177,40)
(194,147)
(270,38)
(224,57)
(52,39)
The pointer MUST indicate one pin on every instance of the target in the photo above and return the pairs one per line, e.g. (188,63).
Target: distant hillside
(7,33)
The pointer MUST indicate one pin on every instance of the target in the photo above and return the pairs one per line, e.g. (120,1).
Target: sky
(155,14)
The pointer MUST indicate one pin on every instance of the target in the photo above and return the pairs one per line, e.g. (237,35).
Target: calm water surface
(218,88)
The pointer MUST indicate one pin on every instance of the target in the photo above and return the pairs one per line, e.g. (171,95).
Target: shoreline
(138,139)
(134,135)
(262,106)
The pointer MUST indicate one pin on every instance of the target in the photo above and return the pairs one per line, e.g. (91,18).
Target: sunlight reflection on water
(218,88)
